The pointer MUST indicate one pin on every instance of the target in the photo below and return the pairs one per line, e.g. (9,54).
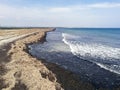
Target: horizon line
(5,27)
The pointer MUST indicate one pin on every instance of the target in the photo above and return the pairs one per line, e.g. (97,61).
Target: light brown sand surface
(21,71)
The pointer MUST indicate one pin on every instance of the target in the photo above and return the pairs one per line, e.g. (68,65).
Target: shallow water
(94,54)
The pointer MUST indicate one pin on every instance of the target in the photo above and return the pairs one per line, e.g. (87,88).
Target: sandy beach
(18,70)
(21,71)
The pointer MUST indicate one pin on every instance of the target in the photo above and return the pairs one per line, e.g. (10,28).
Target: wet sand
(21,71)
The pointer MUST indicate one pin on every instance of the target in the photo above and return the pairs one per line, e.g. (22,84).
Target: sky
(60,13)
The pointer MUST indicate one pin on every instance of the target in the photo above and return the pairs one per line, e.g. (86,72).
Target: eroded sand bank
(23,72)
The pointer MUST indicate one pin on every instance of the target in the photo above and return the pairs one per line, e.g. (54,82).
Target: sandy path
(12,36)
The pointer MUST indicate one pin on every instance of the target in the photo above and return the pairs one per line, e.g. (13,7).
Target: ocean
(91,53)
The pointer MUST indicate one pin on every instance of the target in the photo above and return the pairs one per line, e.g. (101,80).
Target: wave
(104,56)
(111,68)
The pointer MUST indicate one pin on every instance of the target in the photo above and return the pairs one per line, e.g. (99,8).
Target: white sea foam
(96,53)
(92,50)
(112,68)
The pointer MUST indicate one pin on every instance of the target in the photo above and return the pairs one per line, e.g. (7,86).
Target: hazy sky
(60,13)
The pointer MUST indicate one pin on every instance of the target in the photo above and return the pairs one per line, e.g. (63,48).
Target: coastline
(68,79)
(21,71)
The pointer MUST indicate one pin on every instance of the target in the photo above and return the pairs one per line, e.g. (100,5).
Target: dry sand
(21,71)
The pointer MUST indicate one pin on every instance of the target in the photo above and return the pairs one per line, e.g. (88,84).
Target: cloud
(6,10)
(95,6)
(104,5)
(23,12)
(85,7)
(73,15)
(1,16)
(60,9)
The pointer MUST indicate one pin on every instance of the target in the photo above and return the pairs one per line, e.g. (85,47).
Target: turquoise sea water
(93,53)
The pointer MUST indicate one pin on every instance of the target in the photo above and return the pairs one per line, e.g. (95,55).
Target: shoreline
(22,71)
(73,82)
(67,79)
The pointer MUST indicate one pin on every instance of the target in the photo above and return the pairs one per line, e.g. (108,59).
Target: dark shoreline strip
(67,79)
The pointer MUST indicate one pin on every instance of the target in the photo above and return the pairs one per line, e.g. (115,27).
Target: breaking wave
(106,57)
